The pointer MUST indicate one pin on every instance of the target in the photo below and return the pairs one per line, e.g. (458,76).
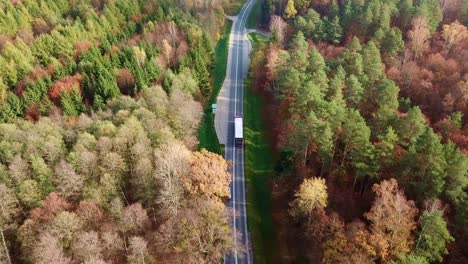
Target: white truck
(238,131)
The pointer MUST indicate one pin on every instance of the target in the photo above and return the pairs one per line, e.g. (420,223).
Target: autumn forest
(370,100)
(105,108)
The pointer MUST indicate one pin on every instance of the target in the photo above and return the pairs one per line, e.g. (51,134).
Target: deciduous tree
(392,219)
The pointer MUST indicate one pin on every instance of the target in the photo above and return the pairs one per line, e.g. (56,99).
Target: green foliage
(424,167)
(72,103)
(433,236)
(430,10)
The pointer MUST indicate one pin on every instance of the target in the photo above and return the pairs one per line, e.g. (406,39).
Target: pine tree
(354,91)
(433,237)
(372,63)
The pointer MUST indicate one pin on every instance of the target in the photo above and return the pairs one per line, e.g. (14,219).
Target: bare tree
(69,184)
(419,36)
(9,211)
(172,162)
(87,246)
(138,251)
(49,251)
(134,218)
(277,26)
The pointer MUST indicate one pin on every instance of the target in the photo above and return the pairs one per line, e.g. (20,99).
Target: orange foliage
(52,205)
(82,47)
(66,84)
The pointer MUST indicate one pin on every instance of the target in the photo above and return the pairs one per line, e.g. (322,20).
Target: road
(230,104)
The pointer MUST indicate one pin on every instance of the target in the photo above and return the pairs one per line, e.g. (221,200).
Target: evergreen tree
(354,91)
(433,236)
(372,63)
(424,168)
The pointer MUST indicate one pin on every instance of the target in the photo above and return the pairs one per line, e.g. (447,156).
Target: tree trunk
(5,247)
(306,153)
(332,157)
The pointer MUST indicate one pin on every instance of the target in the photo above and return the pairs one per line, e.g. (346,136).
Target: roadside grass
(259,168)
(207,133)
(255,15)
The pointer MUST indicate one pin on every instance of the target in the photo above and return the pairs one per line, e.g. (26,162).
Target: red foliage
(32,113)
(126,82)
(460,139)
(328,51)
(52,205)
(66,84)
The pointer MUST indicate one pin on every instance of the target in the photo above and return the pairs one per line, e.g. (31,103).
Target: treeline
(76,55)
(120,186)
(335,70)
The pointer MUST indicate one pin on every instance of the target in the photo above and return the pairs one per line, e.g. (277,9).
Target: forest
(370,129)
(100,106)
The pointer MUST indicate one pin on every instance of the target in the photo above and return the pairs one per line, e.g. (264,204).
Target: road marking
(236,48)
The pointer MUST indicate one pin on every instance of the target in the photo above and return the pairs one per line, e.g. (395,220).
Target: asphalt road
(230,104)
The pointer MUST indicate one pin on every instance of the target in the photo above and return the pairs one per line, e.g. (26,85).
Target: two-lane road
(230,105)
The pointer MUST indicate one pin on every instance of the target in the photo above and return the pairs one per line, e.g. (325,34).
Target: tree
(64,227)
(387,102)
(334,30)
(392,220)
(134,219)
(30,194)
(202,232)
(386,147)
(277,27)
(433,236)
(457,170)
(302,4)
(312,194)
(418,36)
(9,213)
(208,176)
(410,259)
(336,86)
(423,167)
(138,251)
(290,11)
(69,184)
(49,251)
(87,246)
(454,34)
(172,162)
(372,63)
(354,91)
(411,126)
(430,10)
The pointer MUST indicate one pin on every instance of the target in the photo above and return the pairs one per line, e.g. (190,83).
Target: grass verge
(207,133)
(258,171)
(255,15)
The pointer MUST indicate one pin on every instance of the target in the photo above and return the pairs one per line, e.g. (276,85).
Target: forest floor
(207,132)
(259,169)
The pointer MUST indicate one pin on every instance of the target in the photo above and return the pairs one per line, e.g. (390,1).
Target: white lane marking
(241,30)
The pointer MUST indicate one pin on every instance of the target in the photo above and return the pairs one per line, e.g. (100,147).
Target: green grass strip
(207,133)
(258,171)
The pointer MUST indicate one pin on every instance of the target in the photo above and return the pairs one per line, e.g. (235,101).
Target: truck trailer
(238,131)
